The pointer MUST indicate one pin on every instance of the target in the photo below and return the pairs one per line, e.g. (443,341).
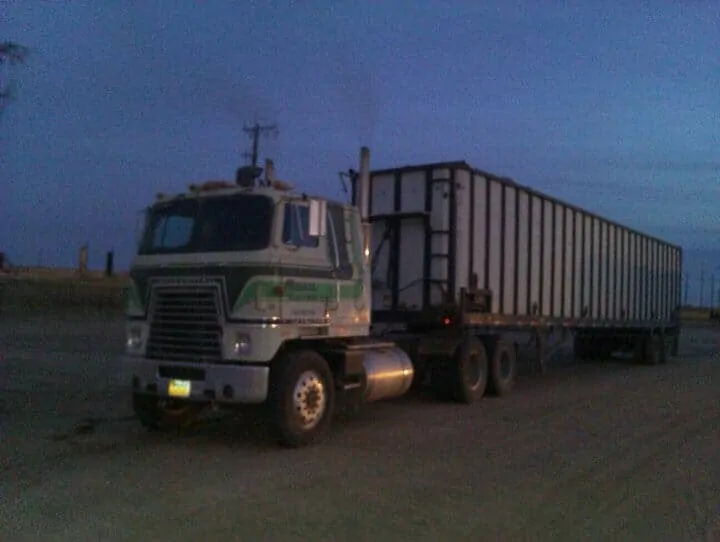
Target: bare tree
(11,53)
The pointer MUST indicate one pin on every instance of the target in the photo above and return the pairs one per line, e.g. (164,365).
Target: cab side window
(296,226)
(336,217)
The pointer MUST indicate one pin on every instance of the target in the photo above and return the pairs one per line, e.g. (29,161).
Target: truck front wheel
(302,398)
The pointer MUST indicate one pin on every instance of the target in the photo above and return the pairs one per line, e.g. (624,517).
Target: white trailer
(455,244)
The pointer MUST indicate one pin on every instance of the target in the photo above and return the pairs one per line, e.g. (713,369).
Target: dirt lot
(599,452)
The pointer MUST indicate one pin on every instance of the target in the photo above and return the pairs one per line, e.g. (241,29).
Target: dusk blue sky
(610,105)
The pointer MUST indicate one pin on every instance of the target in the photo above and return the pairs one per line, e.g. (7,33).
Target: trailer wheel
(666,348)
(675,345)
(583,348)
(468,371)
(649,349)
(156,413)
(302,398)
(670,347)
(503,369)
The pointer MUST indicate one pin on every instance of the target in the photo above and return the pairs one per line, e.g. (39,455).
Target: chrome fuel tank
(389,373)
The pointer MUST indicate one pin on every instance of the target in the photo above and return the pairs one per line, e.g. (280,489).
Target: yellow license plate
(179,388)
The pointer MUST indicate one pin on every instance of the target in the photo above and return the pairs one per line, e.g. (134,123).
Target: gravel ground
(588,451)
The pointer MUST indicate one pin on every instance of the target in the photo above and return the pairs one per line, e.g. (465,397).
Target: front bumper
(222,383)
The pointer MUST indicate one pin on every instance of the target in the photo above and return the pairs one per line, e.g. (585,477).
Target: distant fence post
(82,263)
(109,260)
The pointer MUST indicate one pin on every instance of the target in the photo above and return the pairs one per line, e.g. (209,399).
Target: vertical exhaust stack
(363,199)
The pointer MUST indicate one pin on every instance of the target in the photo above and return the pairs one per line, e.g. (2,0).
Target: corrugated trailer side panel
(537,256)
(614,275)
(478,218)
(568,263)
(509,245)
(635,271)
(524,249)
(603,271)
(674,294)
(633,265)
(523,253)
(546,257)
(536,237)
(645,278)
(639,282)
(558,251)
(382,202)
(667,298)
(410,198)
(585,281)
(440,241)
(465,252)
(494,240)
(658,281)
(540,256)
(579,265)
(623,289)
(652,279)
(635,276)
(666,283)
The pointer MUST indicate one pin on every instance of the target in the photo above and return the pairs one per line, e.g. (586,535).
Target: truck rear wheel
(302,398)
(464,379)
(503,369)
(156,413)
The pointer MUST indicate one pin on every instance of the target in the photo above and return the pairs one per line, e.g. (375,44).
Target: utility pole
(712,290)
(255,131)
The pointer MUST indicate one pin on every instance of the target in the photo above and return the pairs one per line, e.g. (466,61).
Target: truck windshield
(240,222)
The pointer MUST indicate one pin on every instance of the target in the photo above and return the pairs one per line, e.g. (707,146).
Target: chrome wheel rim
(309,399)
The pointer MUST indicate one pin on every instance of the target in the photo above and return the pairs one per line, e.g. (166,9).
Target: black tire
(468,372)
(503,369)
(596,349)
(671,347)
(666,348)
(157,414)
(583,348)
(302,398)
(675,345)
(419,379)
(649,349)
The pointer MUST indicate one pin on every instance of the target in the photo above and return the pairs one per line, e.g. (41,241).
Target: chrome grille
(185,324)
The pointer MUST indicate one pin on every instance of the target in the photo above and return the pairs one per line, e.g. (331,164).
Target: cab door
(309,291)
(339,235)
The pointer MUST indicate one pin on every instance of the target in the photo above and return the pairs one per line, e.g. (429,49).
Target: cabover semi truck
(435,276)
